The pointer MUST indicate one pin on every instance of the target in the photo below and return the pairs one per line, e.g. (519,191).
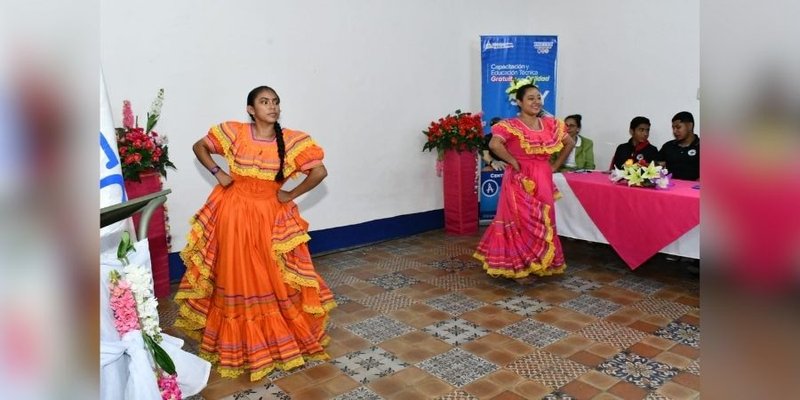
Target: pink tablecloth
(637,222)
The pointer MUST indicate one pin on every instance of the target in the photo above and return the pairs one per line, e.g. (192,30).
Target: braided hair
(251,100)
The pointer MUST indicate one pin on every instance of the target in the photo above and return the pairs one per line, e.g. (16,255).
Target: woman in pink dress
(522,239)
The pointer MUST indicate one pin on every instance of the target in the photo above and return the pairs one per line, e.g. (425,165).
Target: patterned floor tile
(384,324)
(577,266)
(279,373)
(533,364)
(450,250)
(338,278)
(535,333)
(392,281)
(681,332)
(591,306)
(369,364)
(512,285)
(386,302)
(457,367)
(362,393)
(457,395)
(523,305)
(453,282)
(455,303)
(599,330)
(694,367)
(451,265)
(624,337)
(399,264)
(637,284)
(270,390)
(341,299)
(558,396)
(638,370)
(560,373)
(456,331)
(379,328)
(578,284)
(342,261)
(663,307)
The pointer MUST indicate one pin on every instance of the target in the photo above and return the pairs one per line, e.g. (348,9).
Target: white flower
(146,305)
(155,108)
(617,175)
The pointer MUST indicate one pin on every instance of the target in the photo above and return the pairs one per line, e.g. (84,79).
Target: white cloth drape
(126,369)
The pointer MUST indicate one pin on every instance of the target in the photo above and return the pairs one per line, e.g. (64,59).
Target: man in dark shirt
(682,155)
(638,148)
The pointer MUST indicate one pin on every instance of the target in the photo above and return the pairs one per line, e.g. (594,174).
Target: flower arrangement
(460,132)
(135,308)
(642,174)
(142,149)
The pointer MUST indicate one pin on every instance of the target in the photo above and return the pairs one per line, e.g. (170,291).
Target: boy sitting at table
(682,155)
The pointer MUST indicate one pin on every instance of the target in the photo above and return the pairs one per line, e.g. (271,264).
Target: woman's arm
(202,150)
(315,176)
(499,149)
(589,153)
(568,143)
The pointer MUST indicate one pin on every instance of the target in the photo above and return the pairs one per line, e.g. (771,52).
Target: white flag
(112,186)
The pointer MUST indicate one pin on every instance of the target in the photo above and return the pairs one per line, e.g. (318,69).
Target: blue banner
(504,59)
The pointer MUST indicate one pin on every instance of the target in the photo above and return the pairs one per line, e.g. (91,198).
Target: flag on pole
(112,186)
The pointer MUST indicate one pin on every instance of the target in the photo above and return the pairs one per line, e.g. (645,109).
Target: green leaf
(160,356)
(125,247)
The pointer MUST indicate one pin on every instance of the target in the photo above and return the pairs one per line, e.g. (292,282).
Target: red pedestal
(156,232)
(460,192)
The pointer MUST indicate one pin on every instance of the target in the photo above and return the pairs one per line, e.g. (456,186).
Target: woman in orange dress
(522,239)
(250,293)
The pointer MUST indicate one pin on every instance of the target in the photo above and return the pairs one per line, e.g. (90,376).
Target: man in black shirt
(682,155)
(638,148)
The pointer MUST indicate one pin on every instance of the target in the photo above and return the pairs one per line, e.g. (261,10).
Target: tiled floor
(419,319)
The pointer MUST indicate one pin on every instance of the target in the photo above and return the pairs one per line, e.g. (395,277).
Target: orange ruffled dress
(250,294)
(522,239)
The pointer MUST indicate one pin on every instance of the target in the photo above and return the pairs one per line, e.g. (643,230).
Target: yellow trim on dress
(538,268)
(257,172)
(538,148)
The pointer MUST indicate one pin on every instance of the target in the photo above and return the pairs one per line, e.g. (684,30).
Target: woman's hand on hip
(284,196)
(223,178)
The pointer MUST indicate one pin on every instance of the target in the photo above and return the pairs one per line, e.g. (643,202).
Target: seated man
(682,155)
(582,155)
(637,148)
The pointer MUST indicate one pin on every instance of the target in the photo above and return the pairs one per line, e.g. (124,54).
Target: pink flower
(127,114)
(168,385)
(124,307)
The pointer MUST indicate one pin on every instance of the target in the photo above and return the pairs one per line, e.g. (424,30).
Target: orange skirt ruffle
(250,294)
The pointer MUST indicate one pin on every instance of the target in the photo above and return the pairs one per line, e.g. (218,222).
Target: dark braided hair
(251,100)
(281,150)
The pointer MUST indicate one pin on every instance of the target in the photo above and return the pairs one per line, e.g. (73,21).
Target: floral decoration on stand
(142,149)
(135,308)
(460,132)
(642,174)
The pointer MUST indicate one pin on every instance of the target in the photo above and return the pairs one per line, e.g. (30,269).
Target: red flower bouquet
(142,149)
(460,132)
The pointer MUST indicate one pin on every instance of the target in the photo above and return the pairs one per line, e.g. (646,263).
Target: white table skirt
(573,221)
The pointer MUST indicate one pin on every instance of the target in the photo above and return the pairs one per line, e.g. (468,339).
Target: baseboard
(344,237)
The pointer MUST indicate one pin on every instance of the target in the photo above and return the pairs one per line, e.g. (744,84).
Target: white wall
(364,78)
